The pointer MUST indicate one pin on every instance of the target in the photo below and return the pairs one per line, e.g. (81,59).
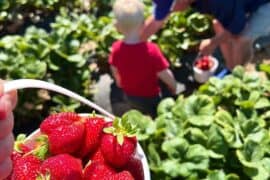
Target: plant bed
(221,131)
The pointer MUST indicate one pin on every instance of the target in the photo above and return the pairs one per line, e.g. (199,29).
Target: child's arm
(167,77)
(116,76)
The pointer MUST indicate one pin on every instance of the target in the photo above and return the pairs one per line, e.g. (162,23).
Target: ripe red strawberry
(62,167)
(93,132)
(124,175)
(118,143)
(98,171)
(54,121)
(26,168)
(204,63)
(97,156)
(65,132)
(135,167)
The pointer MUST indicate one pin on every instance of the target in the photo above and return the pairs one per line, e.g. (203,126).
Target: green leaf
(265,68)
(153,156)
(238,72)
(216,175)
(196,136)
(173,168)
(262,103)
(165,106)
(175,148)
(199,105)
(202,120)
(216,142)
(197,153)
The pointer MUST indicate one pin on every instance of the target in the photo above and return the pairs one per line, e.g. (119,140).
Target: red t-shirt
(138,65)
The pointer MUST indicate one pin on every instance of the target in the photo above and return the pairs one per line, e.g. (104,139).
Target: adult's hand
(150,27)
(207,46)
(8,102)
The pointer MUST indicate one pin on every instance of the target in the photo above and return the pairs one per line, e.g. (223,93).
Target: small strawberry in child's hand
(98,171)
(65,132)
(118,142)
(93,132)
(62,166)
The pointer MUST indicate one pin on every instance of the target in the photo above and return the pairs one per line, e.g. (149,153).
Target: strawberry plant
(219,132)
(15,14)
(182,34)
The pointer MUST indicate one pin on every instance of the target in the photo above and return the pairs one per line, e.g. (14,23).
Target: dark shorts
(145,105)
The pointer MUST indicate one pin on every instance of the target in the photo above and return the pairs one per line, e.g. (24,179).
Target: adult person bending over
(237,23)
(7,104)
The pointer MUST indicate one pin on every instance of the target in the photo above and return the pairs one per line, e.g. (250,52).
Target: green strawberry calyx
(19,141)
(47,176)
(42,147)
(121,128)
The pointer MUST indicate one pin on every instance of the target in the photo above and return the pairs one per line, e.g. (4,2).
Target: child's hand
(180,88)
(7,104)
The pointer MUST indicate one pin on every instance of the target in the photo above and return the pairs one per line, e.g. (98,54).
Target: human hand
(7,104)
(207,46)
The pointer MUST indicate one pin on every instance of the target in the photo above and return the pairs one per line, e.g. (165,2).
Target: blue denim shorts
(259,22)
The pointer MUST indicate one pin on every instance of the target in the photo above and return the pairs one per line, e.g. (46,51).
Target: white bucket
(139,151)
(201,76)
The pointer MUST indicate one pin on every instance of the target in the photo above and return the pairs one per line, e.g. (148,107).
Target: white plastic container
(201,76)
(139,151)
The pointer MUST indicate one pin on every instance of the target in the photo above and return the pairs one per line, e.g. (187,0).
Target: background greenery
(219,132)
(68,42)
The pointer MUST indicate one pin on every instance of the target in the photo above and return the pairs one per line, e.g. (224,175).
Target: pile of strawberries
(72,147)
(204,63)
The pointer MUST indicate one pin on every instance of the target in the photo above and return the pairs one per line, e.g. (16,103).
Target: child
(138,66)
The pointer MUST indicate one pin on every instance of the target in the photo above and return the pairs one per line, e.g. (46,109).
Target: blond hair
(129,14)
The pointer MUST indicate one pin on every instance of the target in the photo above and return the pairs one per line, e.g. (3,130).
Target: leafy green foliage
(183,33)
(219,132)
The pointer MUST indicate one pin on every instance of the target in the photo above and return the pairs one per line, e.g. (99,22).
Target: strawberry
(135,167)
(65,132)
(118,143)
(98,171)
(204,63)
(26,168)
(57,120)
(124,175)
(97,156)
(93,132)
(62,167)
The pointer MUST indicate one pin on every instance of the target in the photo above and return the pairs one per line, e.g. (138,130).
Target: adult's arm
(151,26)
(161,9)
(222,35)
